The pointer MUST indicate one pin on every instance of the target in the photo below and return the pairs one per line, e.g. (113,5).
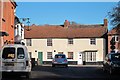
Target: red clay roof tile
(73,31)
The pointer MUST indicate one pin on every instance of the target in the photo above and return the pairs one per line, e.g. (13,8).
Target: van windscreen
(8,53)
(59,56)
(20,53)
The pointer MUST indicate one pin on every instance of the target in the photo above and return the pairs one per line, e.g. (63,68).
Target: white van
(15,59)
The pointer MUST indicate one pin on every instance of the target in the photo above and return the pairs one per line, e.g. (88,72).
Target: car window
(8,53)
(115,57)
(59,56)
(20,53)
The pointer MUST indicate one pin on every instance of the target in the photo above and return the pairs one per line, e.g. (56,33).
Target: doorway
(80,60)
(40,57)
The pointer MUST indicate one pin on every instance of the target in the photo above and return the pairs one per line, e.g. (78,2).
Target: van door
(8,58)
(40,57)
(21,59)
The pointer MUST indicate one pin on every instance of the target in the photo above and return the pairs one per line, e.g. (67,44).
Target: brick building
(7,16)
(114,35)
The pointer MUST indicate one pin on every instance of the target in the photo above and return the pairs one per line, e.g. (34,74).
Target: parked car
(60,59)
(15,60)
(112,62)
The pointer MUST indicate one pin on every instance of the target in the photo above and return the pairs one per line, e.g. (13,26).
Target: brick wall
(116,44)
(8,21)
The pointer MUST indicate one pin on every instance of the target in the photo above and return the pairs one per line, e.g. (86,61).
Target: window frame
(92,41)
(70,41)
(49,56)
(49,42)
(70,56)
(20,51)
(6,56)
(90,56)
(60,52)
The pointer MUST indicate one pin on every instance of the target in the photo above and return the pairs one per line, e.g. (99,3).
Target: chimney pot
(66,23)
(105,22)
(66,20)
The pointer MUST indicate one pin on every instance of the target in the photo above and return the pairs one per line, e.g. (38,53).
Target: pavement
(77,65)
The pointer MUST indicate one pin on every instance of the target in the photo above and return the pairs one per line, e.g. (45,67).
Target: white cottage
(80,43)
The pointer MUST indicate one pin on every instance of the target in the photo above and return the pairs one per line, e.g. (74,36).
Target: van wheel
(3,75)
(66,65)
(28,75)
(110,71)
(53,65)
(104,70)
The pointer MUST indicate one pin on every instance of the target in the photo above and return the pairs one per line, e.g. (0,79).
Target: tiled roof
(73,31)
(113,31)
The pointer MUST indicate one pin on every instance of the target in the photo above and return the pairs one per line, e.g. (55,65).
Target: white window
(60,52)
(115,38)
(20,53)
(49,55)
(70,55)
(70,41)
(28,42)
(93,41)
(90,56)
(49,42)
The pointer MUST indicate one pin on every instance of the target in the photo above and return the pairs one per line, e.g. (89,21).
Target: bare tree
(114,15)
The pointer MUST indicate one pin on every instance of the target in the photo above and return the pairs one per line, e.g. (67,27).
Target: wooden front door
(40,57)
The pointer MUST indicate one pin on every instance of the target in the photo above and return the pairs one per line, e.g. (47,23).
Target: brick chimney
(105,22)
(66,24)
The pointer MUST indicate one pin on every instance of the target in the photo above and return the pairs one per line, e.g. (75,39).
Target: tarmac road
(77,72)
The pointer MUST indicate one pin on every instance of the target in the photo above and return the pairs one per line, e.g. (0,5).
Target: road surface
(81,72)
